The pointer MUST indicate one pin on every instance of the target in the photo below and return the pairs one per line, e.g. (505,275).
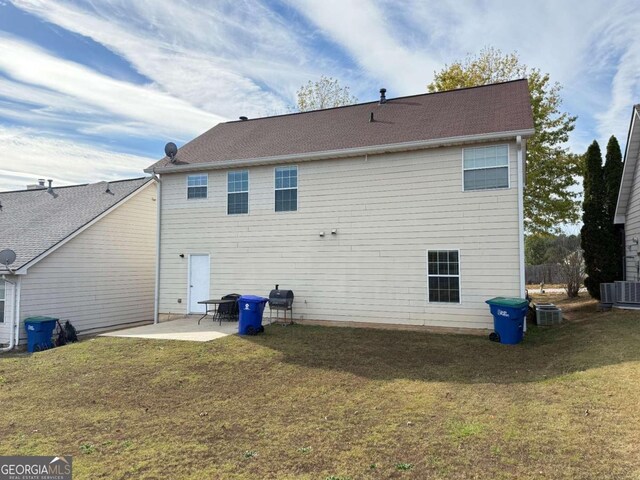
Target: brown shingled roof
(501,107)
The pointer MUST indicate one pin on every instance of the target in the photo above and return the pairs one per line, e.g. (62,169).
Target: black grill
(281,300)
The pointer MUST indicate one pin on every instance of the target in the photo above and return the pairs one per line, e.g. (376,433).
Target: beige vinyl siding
(102,278)
(632,227)
(9,307)
(388,211)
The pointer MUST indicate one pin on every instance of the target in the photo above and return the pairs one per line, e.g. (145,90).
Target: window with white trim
(486,167)
(197,186)
(2,300)
(443,276)
(286,189)
(237,192)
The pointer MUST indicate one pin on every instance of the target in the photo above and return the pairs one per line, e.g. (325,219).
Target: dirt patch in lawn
(303,402)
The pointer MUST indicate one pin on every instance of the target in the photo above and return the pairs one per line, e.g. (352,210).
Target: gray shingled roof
(34,221)
(502,107)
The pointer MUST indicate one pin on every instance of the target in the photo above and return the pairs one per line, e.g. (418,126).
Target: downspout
(18,300)
(156,304)
(520,171)
(12,322)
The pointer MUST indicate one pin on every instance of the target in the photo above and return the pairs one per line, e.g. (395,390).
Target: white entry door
(198,282)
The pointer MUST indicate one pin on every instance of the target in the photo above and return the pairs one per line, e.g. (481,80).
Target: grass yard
(334,403)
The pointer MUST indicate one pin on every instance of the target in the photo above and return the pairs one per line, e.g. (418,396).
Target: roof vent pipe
(383,99)
(371,117)
(50,189)
(244,119)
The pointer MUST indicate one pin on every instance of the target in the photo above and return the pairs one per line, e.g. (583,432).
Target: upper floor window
(197,186)
(486,167)
(286,189)
(2,290)
(237,192)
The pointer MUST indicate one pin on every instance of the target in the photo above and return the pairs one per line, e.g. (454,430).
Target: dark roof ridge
(376,102)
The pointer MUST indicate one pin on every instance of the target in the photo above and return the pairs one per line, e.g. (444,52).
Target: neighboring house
(85,253)
(628,208)
(406,211)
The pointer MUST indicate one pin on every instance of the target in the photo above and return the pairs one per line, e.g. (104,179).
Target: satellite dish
(7,257)
(170,150)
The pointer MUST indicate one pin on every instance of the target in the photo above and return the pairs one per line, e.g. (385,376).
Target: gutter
(520,160)
(345,152)
(156,299)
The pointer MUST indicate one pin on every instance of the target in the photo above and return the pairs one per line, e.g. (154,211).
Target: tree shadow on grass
(606,339)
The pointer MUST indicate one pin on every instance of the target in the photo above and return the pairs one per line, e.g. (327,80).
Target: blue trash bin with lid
(509,314)
(250,309)
(39,333)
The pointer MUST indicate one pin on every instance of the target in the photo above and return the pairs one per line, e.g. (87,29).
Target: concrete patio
(184,328)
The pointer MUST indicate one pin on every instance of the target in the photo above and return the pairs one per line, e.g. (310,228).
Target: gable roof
(455,114)
(32,222)
(631,153)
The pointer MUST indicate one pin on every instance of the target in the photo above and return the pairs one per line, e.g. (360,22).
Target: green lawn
(317,403)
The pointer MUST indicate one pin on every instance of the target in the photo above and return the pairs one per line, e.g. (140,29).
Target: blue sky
(92,91)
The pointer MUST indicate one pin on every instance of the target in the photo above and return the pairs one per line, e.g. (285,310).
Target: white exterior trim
(196,254)
(459,276)
(186,192)
(156,300)
(248,192)
(508,165)
(16,320)
(297,190)
(520,153)
(23,270)
(628,169)
(345,152)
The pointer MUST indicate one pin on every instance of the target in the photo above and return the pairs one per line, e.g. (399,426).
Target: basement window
(486,167)
(2,300)
(443,274)
(197,186)
(286,189)
(237,192)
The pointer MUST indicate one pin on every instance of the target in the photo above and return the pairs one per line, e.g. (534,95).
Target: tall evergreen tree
(596,233)
(612,174)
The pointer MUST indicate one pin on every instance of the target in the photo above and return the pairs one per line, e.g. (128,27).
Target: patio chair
(229,311)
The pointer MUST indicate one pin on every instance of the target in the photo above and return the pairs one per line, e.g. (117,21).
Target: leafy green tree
(535,249)
(324,93)
(596,233)
(612,177)
(543,249)
(551,169)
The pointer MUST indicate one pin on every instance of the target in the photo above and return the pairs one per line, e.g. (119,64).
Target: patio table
(213,311)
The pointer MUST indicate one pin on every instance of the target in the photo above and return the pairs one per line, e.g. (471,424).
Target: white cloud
(66,161)
(222,58)
(234,58)
(33,66)
(364,30)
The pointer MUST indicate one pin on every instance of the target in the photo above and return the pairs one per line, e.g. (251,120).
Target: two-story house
(404,211)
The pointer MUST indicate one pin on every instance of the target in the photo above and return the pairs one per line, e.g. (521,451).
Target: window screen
(237,192)
(197,186)
(486,167)
(286,189)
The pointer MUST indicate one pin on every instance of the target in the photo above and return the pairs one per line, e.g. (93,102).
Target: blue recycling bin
(508,319)
(250,308)
(39,333)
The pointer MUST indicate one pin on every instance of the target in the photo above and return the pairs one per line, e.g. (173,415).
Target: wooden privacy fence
(549,273)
